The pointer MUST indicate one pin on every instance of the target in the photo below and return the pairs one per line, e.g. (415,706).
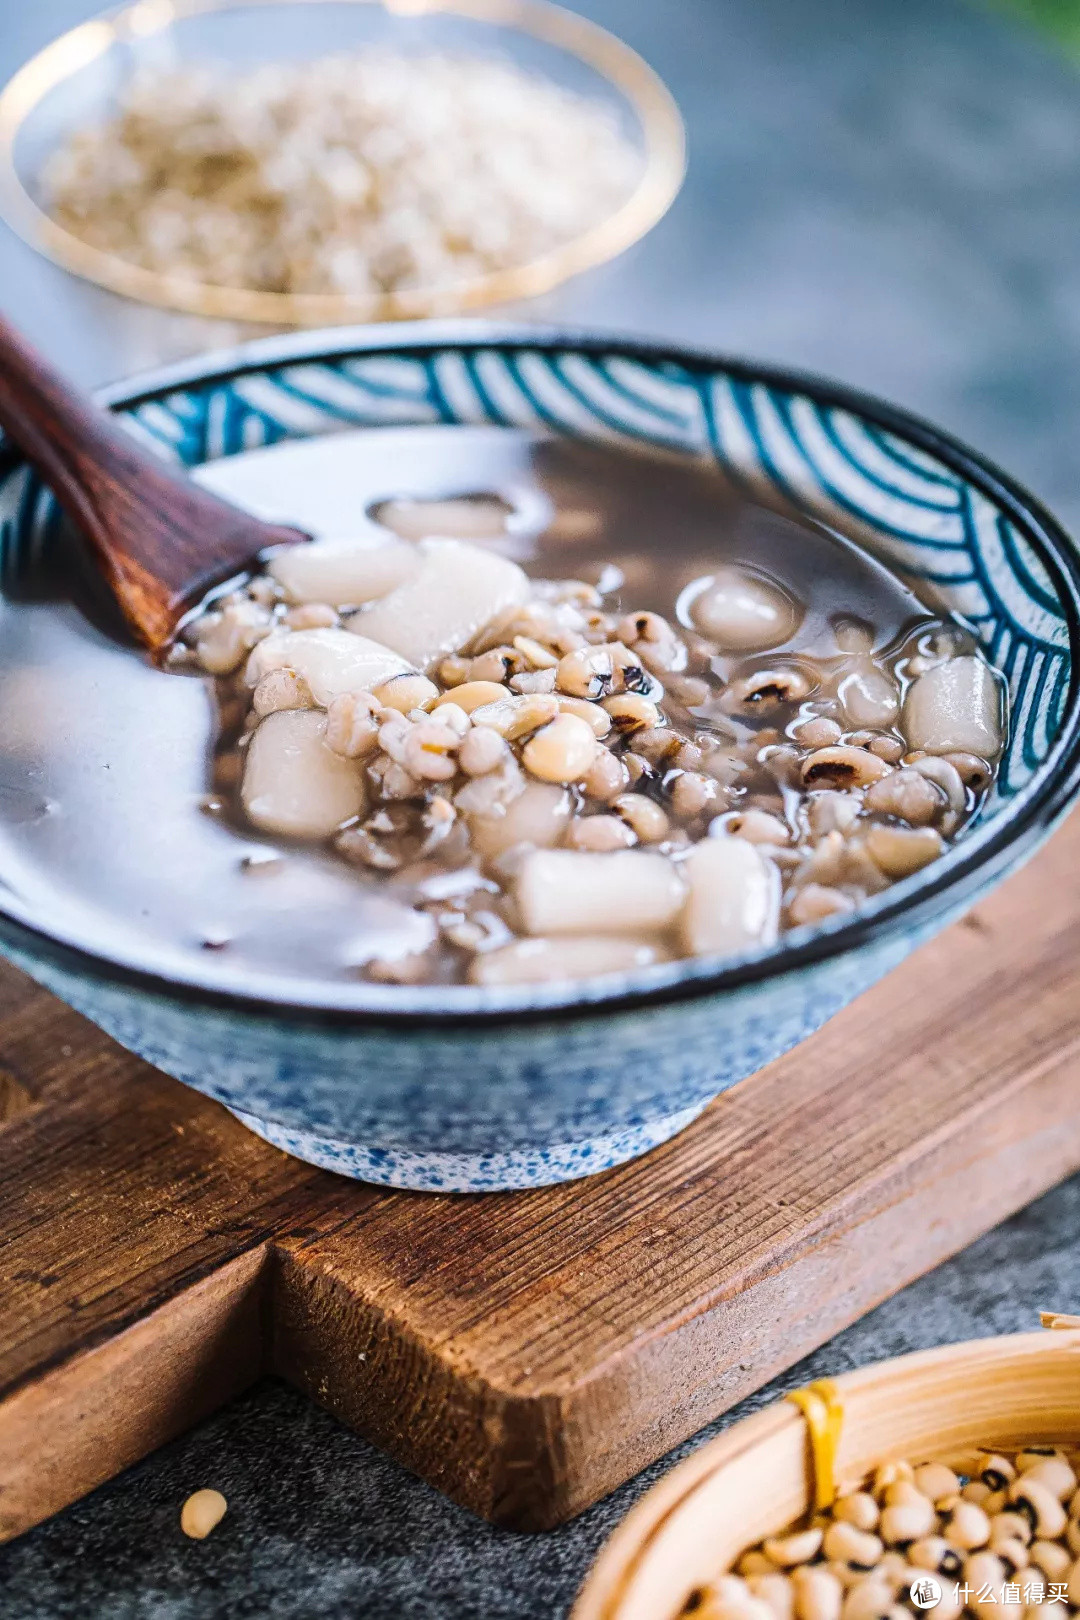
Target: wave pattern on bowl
(908,507)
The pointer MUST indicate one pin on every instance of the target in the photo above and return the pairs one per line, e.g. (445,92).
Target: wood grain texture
(159,540)
(525,1352)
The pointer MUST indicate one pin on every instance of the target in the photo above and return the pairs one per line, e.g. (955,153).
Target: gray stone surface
(888,192)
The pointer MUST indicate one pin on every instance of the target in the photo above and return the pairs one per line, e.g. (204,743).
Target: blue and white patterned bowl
(470,1089)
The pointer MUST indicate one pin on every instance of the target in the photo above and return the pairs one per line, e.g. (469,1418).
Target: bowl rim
(663,142)
(948,884)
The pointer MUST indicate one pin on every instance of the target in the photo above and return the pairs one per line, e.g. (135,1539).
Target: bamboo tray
(758,1477)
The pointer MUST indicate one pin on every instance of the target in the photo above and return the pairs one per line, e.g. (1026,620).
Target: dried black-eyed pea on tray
(563,783)
(997,1534)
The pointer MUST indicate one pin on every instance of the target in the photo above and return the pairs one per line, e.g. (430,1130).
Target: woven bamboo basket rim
(1043,1407)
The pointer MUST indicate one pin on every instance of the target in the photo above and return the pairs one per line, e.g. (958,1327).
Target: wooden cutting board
(524,1352)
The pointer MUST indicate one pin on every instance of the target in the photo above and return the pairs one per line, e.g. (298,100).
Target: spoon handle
(159,540)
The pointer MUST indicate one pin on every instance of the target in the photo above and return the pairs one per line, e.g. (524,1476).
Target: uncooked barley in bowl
(375,172)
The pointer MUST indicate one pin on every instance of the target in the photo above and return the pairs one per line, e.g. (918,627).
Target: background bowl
(464,1088)
(76,81)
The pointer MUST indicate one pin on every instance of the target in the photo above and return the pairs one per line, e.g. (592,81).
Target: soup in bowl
(631,712)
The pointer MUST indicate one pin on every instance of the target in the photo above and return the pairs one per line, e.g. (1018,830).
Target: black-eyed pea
(407,692)
(887,748)
(606,778)
(658,744)
(599,833)
(593,715)
(900,851)
(756,1563)
(1074,1584)
(1013,1553)
(721,1608)
(472,695)
(815,902)
(1009,1527)
(454,670)
(638,769)
(631,712)
(858,1508)
(995,1503)
(975,1491)
(947,778)
(950,1606)
(775,1590)
(907,1520)
(974,772)
(1039,1505)
(859,1548)
(818,1594)
(935,1554)
(765,690)
(1053,1472)
(967,1526)
(536,655)
(1052,1558)
(844,1573)
(986,1575)
(587,672)
(497,665)
(758,827)
(842,768)
(817,731)
(868,1599)
(693,794)
(908,795)
(1072,1537)
(643,816)
(936,1481)
(690,690)
(787,1551)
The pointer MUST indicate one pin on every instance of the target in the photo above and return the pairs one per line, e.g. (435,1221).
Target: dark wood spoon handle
(159,539)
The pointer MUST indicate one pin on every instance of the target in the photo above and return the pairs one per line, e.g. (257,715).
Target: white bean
(457,590)
(331,661)
(955,707)
(733,899)
(562,891)
(293,782)
(741,612)
(533,961)
(342,572)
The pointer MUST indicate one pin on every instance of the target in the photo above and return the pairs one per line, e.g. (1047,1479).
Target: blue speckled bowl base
(472,1172)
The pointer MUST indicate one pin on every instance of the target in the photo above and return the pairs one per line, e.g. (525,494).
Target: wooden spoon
(159,540)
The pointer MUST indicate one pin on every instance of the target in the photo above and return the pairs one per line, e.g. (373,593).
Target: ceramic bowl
(470,1089)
